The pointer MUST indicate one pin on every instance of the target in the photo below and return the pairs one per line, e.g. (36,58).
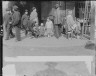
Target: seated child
(35,31)
(76,28)
(41,30)
(49,27)
(73,25)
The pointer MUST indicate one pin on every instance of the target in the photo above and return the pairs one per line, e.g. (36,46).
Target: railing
(85,12)
(86,23)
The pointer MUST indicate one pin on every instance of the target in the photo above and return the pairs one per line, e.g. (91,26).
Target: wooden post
(92,28)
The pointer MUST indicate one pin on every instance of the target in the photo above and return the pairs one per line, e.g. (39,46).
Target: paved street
(45,47)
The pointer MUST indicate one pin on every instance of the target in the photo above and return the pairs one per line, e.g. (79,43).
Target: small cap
(15,7)
(57,5)
(33,8)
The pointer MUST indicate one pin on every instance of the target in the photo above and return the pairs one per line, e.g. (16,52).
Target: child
(49,27)
(78,28)
(35,31)
(24,22)
(42,30)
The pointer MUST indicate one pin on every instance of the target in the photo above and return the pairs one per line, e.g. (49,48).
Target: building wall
(47,7)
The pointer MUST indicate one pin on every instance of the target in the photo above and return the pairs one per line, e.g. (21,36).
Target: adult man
(57,21)
(25,21)
(33,19)
(7,24)
(16,22)
(33,16)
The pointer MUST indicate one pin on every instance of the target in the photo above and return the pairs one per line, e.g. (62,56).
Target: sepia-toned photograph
(44,28)
(33,30)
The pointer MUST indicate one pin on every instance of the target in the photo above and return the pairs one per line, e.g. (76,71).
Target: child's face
(69,12)
(8,11)
(41,24)
(26,12)
(34,10)
(13,10)
(48,19)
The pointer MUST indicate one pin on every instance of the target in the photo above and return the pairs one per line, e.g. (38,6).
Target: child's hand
(10,22)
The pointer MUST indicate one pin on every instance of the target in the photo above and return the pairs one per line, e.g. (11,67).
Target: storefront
(47,7)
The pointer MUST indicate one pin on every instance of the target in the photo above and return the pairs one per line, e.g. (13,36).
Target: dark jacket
(24,20)
(16,18)
(57,16)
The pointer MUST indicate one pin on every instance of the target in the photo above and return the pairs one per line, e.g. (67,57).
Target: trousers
(9,32)
(57,30)
(17,33)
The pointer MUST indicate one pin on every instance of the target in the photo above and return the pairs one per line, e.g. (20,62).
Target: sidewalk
(46,47)
(46,42)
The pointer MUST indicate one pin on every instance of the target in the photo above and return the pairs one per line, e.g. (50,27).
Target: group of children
(44,29)
(30,24)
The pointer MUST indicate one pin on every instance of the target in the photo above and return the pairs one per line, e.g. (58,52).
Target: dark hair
(56,5)
(49,18)
(15,8)
(33,8)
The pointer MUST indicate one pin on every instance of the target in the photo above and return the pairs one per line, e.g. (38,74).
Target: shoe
(26,35)
(17,40)
(31,37)
(78,37)
(48,36)
(6,39)
(12,36)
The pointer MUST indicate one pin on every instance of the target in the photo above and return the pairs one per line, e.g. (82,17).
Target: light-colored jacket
(49,24)
(70,21)
(34,16)
(24,19)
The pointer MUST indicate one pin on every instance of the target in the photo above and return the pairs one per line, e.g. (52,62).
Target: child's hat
(33,8)
(15,7)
